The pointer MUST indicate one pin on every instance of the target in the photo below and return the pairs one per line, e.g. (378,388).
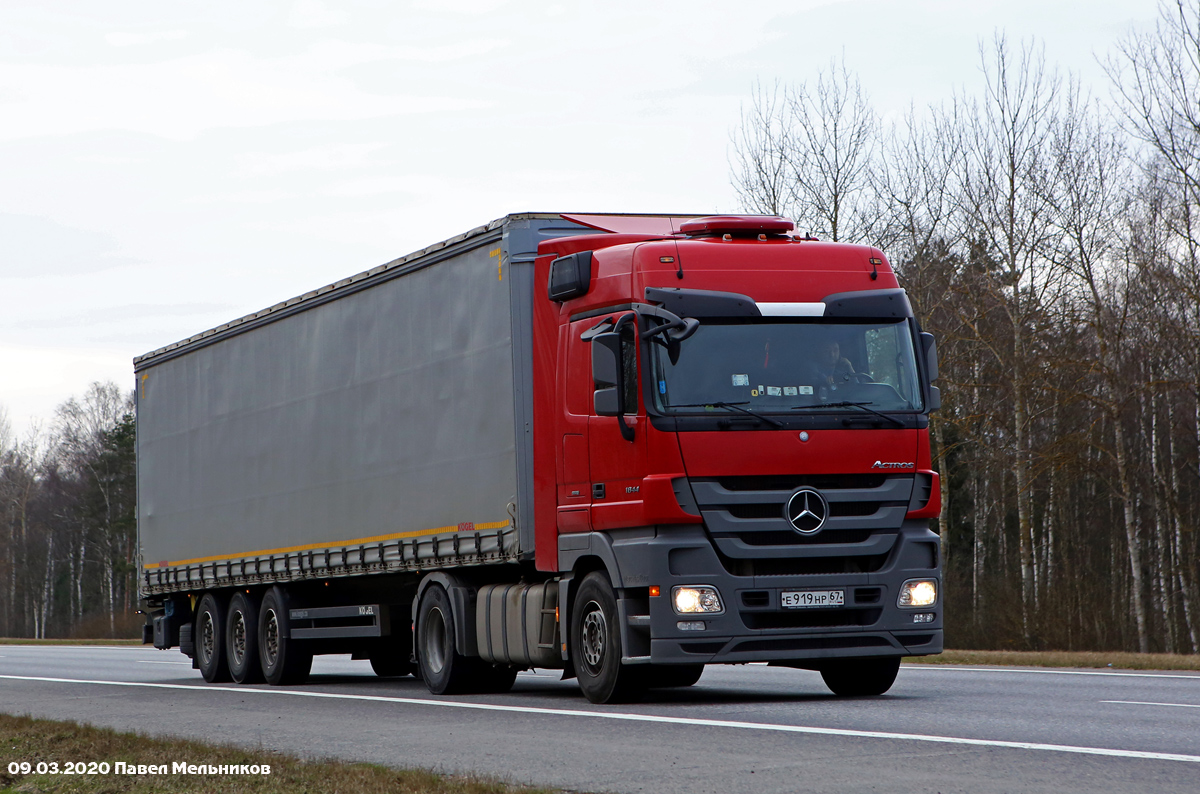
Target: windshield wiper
(732,406)
(849,404)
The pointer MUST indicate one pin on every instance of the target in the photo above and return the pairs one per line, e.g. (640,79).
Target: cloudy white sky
(167,166)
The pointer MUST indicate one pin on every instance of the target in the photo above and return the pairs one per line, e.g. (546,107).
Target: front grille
(790,482)
(746,519)
(802,566)
(793,538)
(756,598)
(811,618)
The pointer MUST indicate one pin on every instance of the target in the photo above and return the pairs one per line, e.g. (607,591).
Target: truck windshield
(776,366)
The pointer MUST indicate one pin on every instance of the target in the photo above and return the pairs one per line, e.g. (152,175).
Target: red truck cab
(731,432)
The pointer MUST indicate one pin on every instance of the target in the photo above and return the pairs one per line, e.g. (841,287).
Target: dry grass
(1117,660)
(33,740)
(25,641)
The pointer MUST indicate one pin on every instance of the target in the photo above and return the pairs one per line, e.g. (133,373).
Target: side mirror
(607,374)
(608,377)
(570,276)
(935,398)
(931,361)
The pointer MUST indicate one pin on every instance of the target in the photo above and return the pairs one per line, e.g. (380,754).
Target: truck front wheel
(596,645)
(283,659)
(861,677)
(210,639)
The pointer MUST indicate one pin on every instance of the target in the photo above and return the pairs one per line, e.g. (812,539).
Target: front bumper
(755,627)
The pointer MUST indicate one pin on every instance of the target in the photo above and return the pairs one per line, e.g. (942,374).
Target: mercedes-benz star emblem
(807,511)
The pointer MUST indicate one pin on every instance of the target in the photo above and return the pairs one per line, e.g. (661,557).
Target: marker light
(696,598)
(918,593)
(655,591)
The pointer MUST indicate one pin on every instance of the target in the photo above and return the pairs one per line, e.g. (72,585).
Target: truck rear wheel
(283,659)
(241,639)
(861,677)
(663,676)
(596,645)
(443,668)
(210,639)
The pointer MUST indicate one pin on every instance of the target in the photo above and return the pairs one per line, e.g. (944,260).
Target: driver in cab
(831,367)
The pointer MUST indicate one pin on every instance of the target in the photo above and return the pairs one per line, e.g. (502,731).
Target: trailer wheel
(210,639)
(665,676)
(596,645)
(284,660)
(861,677)
(444,669)
(241,639)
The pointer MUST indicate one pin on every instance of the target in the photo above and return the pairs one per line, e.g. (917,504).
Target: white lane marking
(628,717)
(1045,672)
(1148,703)
(145,661)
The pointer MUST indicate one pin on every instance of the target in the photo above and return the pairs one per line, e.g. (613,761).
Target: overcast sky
(168,166)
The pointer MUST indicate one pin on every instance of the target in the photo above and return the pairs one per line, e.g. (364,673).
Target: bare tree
(806,152)
(1008,134)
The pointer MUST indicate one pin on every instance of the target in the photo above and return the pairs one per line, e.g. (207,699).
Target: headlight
(698,598)
(918,593)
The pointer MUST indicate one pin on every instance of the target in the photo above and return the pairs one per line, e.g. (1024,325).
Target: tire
(444,670)
(861,677)
(241,639)
(284,660)
(595,645)
(210,639)
(665,676)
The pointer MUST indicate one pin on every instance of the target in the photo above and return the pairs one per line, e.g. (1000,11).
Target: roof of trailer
(609,222)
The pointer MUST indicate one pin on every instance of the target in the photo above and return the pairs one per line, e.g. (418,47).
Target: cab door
(574,466)
(616,465)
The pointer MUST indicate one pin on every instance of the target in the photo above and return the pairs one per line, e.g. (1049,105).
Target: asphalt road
(741,729)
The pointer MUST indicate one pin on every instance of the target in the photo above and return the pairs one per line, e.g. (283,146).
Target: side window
(629,359)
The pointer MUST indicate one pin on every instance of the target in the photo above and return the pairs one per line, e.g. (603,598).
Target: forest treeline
(68,547)
(1050,239)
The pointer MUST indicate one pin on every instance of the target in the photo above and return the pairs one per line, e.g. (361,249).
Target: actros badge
(807,511)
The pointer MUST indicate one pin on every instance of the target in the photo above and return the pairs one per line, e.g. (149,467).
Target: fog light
(923,617)
(690,625)
(918,593)
(697,598)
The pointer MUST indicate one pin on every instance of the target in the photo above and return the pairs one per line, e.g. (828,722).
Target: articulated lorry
(624,446)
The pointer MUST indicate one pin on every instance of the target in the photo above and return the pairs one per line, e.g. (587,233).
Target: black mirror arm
(626,430)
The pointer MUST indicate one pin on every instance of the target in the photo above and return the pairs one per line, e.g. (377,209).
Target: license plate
(799,599)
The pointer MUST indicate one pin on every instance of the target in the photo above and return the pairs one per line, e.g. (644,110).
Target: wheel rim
(239,638)
(271,637)
(594,637)
(435,640)
(208,639)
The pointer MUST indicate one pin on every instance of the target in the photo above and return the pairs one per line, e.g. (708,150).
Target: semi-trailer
(624,446)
